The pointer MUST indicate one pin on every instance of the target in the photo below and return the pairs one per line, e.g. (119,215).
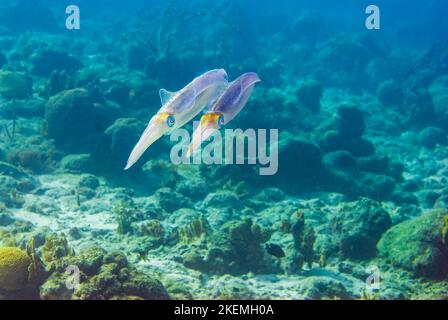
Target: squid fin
(165,95)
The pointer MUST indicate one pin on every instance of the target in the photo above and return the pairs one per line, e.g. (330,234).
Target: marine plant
(445,231)
(194,230)
(304,238)
(153,228)
(124,217)
(54,248)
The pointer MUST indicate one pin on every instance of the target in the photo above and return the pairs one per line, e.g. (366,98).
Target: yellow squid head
(160,124)
(209,123)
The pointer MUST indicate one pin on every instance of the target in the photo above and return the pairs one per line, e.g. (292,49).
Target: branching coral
(55,248)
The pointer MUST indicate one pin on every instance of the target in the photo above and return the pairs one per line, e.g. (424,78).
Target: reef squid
(180,107)
(224,109)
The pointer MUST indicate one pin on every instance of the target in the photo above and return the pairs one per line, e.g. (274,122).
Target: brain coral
(14,265)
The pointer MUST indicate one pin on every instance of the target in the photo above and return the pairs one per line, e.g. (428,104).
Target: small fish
(143,255)
(274,250)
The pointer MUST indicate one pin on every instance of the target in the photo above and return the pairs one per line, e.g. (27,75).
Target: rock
(375,164)
(77,163)
(118,93)
(44,62)
(234,249)
(35,158)
(106,113)
(71,119)
(389,93)
(14,85)
(333,141)
(222,199)
(411,185)
(269,195)
(194,189)
(6,219)
(341,60)
(350,122)
(89,181)
(427,197)
(432,136)
(307,27)
(13,182)
(402,198)
(357,226)
(31,108)
(321,287)
(378,187)
(105,276)
(418,245)
(159,174)
(342,182)
(59,81)
(300,164)
(309,94)
(171,201)
(340,160)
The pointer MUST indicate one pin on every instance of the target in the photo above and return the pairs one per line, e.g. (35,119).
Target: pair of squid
(224,101)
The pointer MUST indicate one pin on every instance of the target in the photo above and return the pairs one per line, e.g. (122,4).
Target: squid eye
(170,121)
(220,120)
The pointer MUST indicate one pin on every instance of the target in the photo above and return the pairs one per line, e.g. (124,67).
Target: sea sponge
(72,119)
(15,85)
(14,264)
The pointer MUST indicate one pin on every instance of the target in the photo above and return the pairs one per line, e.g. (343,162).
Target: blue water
(356,121)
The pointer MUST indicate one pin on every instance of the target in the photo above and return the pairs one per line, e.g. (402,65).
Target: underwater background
(357,209)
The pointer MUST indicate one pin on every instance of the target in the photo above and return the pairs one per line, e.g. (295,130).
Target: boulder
(15,85)
(430,137)
(350,122)
(389,93)
(71,119)
(419,245)
(357,226)
(44,62)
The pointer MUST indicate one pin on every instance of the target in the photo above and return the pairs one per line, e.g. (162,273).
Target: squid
(224,109)
(178,108)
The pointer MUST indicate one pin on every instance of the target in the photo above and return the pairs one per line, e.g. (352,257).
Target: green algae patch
(418,245)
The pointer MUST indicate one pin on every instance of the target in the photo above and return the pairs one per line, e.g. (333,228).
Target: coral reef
(235,249)
(14,85)
(418,245)
(102,276)
(358,226)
